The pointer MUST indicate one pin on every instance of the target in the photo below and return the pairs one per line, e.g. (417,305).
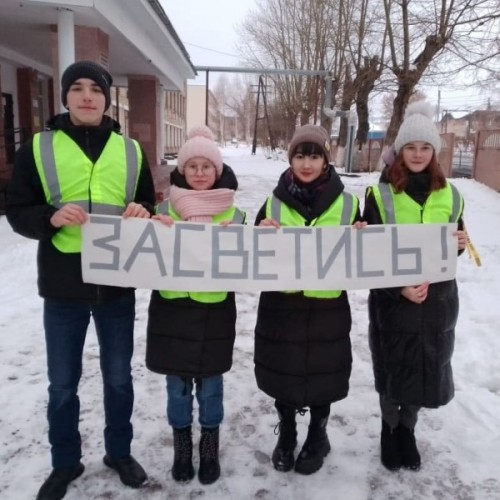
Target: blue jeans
(66,324)
(209,394)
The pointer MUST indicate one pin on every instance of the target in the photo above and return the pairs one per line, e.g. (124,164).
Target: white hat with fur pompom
(418,126)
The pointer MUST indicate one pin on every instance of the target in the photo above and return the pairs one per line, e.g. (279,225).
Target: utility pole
(439,109)
(262,88)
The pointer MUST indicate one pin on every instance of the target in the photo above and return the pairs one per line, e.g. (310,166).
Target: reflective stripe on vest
(340,213)
(236,216)
(442,205)
(69,176)
(346,217)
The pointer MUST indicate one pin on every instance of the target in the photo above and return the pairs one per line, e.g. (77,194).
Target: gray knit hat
(310,133)
(418,126)
(90,70)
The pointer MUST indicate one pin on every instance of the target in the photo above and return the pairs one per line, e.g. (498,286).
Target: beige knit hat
(310,133)
(418,126)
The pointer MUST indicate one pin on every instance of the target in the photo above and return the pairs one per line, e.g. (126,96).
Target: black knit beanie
(90,70)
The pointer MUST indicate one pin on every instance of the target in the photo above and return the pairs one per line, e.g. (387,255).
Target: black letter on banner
(344,241)
(297,231)
(114,265)
(217,252)
(360,234)
(262,253)
(149,232)
(396,251)
(177,271)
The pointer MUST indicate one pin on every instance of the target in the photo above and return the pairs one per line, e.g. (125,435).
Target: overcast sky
(209,29)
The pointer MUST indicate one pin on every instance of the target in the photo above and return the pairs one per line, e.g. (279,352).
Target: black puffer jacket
(302,344)
(188,338)
(60,274)
(412,344)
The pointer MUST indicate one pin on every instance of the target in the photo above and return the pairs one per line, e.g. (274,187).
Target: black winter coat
(412,344)
(60,274)
(188,338)
(302,344)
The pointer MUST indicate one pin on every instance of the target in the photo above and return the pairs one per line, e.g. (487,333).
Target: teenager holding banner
(412,329)
(81,165)
(190,335)
(302,344)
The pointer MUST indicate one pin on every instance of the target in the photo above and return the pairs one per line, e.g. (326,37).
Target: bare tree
(367,44)
(388,100)
(322,35)
(293,34)
(419,31)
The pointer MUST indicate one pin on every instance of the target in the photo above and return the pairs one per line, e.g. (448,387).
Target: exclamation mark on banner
(444,247)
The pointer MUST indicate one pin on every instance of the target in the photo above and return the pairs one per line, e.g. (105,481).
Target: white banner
(144,253)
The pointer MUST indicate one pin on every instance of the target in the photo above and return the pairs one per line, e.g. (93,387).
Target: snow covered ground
(459,443)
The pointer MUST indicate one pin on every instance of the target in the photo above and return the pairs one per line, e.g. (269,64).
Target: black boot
(316,446)
(283,454)
(410,457)
(129,469)
(390,454)
(55,486)
(209,470)
(183,470)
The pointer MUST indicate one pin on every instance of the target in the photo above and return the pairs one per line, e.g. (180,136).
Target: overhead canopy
(142,40)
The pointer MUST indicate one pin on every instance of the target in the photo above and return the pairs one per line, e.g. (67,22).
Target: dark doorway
(8,126)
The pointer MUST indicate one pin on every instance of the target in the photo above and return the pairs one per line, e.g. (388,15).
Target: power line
(212,50)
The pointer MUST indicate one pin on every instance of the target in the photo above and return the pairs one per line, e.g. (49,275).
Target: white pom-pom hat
(200,143)
(418,126)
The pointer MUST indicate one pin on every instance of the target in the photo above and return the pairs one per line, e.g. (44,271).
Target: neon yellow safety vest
(236,216)
(340,213)
(442,206)
(69,176)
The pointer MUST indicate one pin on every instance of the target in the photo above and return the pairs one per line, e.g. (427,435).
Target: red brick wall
(143,114)
(27,95)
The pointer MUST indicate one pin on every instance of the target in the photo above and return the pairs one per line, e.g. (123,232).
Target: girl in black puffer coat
(302,344)
(190,335)
(412,329)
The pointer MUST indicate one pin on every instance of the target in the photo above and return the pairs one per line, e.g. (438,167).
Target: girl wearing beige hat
(302,344)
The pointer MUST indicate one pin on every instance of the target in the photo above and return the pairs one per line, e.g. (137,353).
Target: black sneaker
(130,471)
(55,486)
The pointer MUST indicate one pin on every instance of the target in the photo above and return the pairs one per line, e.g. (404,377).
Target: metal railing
(14,137)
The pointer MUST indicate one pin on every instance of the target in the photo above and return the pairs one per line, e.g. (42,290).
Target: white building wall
(195,106)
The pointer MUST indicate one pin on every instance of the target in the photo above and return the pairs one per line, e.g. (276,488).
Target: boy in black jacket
(81,165)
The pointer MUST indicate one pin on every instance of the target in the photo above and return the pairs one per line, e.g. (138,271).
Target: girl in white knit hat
(190,336)
(412,328)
